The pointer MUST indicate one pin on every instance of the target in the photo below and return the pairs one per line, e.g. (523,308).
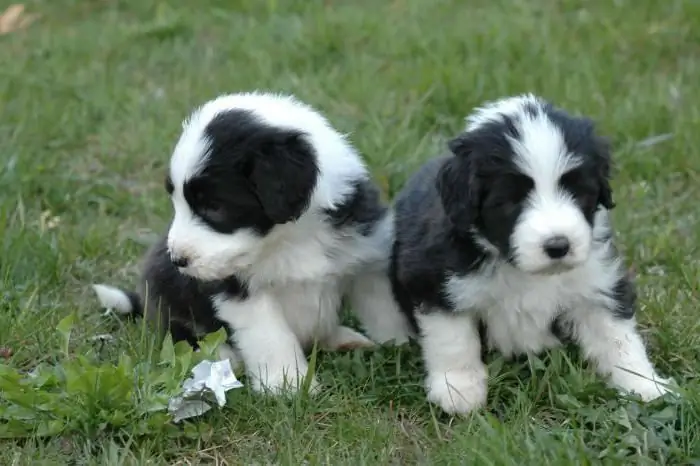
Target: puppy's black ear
(458,186)
(460,146)
(284,175)
(605,197)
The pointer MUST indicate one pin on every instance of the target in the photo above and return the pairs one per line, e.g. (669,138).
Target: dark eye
(509,191)
(578,183)
(570,179)
(212,210)
(582,186)
(169,188)
(504,203)
(212,205)
(518,187)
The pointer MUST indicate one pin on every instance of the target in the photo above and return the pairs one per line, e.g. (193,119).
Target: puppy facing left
(275,220)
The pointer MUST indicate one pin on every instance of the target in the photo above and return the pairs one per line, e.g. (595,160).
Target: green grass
(91,99)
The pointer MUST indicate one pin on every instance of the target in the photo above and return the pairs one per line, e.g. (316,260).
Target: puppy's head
(244,165)
(528,181)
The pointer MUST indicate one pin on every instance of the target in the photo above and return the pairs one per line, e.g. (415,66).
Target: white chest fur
(519,308)
(310,309)
(309,250)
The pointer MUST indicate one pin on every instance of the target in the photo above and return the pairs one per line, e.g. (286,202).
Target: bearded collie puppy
(275,220)
(506,243)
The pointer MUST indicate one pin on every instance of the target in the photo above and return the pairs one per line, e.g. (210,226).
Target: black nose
(557,247)
(179,261)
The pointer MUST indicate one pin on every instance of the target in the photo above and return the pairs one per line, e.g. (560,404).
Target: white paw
(648,389)
(346,339)
(286,380)
(458,391)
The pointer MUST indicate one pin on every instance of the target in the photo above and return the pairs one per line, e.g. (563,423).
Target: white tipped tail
(114,299)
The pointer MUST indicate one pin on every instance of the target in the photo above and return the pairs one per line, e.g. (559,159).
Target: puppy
(275,220)
(511,234)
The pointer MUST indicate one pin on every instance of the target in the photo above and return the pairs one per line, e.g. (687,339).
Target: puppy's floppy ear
(458,186)
(284,174)
(605,196)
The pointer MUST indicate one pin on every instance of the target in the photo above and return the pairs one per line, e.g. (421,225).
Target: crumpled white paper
(208,378)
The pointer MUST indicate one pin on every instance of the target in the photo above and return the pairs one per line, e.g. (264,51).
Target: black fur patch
(562,329)
(427,249)
(179,303)
(361,210)
(253,176)
(625,295)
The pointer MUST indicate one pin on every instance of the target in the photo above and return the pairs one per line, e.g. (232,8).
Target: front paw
(458,391)
(285,380)
(646,388)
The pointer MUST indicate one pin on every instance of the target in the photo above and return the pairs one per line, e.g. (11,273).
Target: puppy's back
(419,191)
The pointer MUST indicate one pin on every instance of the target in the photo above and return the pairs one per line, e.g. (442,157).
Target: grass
(91,98)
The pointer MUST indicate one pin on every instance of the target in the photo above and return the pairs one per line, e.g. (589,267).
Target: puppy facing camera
(276,220)
(511,233)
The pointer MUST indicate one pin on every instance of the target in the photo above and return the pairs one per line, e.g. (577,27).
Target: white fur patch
(492,112)
(457,378)
(619,352)
(272,332)
(372,300)
(112,298)
(369,289)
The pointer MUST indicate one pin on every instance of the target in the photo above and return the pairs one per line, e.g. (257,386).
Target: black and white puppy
(510,236)
(275,220)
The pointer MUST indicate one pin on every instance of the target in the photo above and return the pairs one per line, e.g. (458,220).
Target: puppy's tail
(123,302)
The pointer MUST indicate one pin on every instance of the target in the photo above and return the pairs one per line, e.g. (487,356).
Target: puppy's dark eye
(505,204)
(507,192)
(212,205)
(582,186)
(578,183)
(169,188)
(517,187)
(212,210)
(570,179)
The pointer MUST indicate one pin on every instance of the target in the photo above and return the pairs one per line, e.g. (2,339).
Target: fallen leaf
(5,352)
(48,221)
(14,19)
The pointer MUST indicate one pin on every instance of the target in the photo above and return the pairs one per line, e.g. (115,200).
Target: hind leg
(372,301)
(344,339)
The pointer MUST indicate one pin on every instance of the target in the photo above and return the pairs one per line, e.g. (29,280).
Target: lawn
(92,94)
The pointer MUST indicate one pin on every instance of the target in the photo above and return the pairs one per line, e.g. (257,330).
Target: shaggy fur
(511,234)
(275,220)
